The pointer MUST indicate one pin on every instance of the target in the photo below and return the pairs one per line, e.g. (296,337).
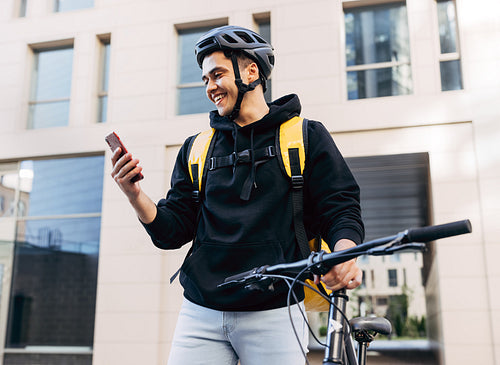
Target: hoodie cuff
(346,233)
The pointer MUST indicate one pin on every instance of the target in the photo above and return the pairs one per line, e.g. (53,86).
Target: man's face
(218,76)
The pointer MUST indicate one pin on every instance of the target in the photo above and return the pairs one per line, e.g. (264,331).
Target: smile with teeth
(218,98)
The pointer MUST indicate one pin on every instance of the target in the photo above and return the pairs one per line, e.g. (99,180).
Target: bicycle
(339,347)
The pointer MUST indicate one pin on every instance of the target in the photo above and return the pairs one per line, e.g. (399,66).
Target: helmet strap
(242,87)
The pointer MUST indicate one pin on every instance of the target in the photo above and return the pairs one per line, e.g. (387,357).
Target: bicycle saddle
(377,324)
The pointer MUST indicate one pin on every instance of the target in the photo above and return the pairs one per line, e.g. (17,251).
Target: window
(191,95)
(102,93)
(54,271)
(50,88)
(22,8)
(264,29)
(381,301)
(377,51)
(449,59)
(68,5)
(393,277)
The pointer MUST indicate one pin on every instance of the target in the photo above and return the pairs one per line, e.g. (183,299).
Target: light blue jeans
(209,337)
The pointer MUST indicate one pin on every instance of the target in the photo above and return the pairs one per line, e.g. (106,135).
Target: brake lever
(392,249)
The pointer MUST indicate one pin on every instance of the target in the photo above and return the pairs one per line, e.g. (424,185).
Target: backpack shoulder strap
(201,146)
(292,145)
(291,142)
(197,160)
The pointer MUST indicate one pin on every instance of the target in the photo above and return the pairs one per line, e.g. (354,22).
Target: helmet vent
(228,38)
(260,40)
(206,43)
(245,37)
(271,60)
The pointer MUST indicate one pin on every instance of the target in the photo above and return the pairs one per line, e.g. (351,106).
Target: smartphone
(114,142)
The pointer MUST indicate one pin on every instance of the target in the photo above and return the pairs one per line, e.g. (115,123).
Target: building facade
(409,90)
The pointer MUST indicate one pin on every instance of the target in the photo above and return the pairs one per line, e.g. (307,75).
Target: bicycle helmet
(234,38)
(229,39)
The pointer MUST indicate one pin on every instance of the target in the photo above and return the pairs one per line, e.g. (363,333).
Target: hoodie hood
(280,111)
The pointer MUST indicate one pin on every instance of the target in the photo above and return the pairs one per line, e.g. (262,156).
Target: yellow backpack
(291,151)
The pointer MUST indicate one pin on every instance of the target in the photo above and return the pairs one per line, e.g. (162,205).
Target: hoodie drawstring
(250,180)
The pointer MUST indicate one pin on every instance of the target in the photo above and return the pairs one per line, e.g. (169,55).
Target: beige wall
(136,307)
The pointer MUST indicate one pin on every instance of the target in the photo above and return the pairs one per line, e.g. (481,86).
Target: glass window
(377,51)
(51,88)
(449,60)
(393,277)
(54,274)
(265,31)
(103,83)
(191,95)
(22,8)
(67,5)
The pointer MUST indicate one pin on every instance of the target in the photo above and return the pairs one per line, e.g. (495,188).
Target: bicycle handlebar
(321,262)
(431,233)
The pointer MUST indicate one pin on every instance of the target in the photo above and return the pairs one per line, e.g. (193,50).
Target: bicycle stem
(335,334)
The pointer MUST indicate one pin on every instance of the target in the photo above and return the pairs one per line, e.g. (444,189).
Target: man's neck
(253,108)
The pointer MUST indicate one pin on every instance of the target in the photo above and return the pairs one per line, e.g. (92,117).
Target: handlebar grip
(431,233)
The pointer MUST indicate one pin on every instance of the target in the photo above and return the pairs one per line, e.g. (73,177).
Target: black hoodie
(245,218)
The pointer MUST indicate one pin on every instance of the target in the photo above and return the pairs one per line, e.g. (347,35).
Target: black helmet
(230,38)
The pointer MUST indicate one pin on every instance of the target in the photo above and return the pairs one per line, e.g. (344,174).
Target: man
(243,219)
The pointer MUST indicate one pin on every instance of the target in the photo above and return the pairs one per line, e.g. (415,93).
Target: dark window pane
(64,186)
(377,34)
(47,359)
(451,75)
(393,277)
(193,100)
(78,235)
(52,298)
(379,82)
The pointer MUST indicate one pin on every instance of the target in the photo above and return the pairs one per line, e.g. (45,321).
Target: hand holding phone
(114,142)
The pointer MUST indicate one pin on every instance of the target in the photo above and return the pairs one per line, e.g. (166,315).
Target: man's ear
(252,72)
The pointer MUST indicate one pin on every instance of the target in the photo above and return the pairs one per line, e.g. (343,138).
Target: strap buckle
(297,181)
(196,196)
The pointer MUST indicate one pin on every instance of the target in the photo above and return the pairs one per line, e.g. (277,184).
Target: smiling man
(243,218)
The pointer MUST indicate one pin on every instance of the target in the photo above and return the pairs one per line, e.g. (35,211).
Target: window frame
(36,49)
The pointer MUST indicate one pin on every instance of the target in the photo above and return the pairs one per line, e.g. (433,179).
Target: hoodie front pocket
(211,263)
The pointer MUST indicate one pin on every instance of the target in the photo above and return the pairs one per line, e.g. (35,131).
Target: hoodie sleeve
(175,219)
(332,195)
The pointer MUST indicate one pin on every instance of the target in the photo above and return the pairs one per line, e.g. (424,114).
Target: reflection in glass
(51,88)
(379,82)
(447,26)
(54,272)
(377,34)
(64,186)
(191,99)
(450,75)
(78,235)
